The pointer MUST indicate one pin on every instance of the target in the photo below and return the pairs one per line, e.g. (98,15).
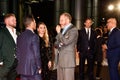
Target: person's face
(11,21)
(88,23)
(33,24)
(62,21)
(41,29)
(109,24)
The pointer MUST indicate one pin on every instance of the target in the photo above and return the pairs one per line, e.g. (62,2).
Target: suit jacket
(7,51)
(83,42)
(113,42)
(67,50)
(7,48)
(28,53)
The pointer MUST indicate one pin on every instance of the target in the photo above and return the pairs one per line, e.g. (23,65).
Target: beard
(12,25)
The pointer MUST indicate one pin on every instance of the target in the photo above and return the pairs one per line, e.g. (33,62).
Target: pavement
(104,73)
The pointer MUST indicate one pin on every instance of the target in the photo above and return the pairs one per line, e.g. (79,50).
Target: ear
(6,21)
(92,23)
(37,28)
(84,23)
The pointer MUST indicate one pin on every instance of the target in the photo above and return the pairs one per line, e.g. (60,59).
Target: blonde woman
(45,50)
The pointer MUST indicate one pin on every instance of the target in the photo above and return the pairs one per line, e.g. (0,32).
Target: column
(57,12)
(21,6)
(66,5)
(15,7)
(89,8)
(80,13)
(4,7)
(95,13)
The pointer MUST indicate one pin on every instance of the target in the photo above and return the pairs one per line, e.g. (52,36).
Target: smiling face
(62,21)
(41,29)
(65,19)
(111,23)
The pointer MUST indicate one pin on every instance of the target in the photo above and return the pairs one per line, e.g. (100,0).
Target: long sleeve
(36,46)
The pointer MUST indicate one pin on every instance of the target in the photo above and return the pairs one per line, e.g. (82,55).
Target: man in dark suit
(66,45)
(113,48)
(28,53)
(85,47)
(8,61)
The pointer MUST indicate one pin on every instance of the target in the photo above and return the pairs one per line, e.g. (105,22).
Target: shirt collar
(111,29)
(67,26)
(11,29)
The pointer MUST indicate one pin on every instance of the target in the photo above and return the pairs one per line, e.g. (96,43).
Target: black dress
(99,54)
(46,56)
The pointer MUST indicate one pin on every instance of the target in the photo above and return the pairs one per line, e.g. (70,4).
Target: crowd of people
(29,54)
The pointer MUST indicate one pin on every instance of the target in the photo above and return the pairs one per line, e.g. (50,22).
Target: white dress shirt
(13,33)
(88,30)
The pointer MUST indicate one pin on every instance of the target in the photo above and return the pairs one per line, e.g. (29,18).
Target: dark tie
(88,33)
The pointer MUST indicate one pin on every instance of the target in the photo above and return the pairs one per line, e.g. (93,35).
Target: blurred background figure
(45,50)
(99,52)
(105,36)
(113,48)
(86,49)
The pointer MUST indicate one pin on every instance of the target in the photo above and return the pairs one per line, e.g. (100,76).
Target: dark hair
(28,19)
(89,19)
(99,31)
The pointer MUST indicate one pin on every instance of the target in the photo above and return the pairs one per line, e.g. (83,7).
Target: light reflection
(110,7)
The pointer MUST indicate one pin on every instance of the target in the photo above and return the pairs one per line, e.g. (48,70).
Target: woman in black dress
(45,50)
(99,52)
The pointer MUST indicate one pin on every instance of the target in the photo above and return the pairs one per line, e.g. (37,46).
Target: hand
(58,28)
(104,46)
(49,64)
(39,71)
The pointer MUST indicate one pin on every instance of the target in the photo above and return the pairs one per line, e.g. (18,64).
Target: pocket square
(66,36)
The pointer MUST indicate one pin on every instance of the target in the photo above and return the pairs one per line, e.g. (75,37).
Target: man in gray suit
(66,45)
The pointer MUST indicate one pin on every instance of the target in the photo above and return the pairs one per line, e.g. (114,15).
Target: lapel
(10,38)
(70,27)
(86,36)
(114,30)
(85,31)
(91,33)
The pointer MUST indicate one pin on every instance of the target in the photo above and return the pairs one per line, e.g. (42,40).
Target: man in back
(113,48)
(29,62)
(85,47)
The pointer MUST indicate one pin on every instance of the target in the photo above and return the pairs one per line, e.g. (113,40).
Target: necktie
(88,33)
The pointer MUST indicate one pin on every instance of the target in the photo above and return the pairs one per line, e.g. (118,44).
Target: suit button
(14,48)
